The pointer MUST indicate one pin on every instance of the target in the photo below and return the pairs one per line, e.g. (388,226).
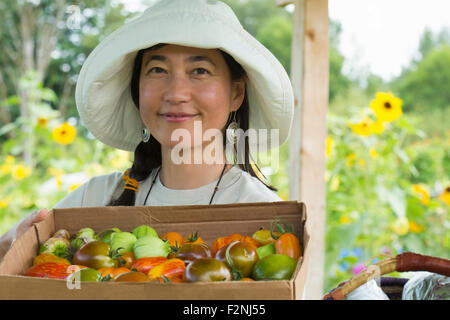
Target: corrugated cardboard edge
(57,289)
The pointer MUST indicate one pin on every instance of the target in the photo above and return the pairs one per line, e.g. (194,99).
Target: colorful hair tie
(130,183)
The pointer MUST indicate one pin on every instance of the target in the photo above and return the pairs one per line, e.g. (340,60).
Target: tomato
(52,270)
(265,250)
(223,241)
(193,251)
(111,273)
(193,238)
(255,244)
(207,269)
(62,233)
(85,274)
(246,279)
(94,254)
(132,276)
(263,236)
(274,267)
(144,265)
(49,257)
(240,257)
(168,270)
(217,244)
(289,245)
(175,239)
(125,259)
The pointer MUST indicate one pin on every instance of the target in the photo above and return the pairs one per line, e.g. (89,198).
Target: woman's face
(182,85)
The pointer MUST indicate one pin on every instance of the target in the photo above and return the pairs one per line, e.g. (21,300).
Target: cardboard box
(211,221)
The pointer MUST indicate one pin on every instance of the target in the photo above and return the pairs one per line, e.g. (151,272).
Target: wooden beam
(310,74)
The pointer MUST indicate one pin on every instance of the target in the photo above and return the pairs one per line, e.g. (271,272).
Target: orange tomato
(49,257)
(126,259)
(246,279)
(288,244)
(171,269)
(193,238)
(223,241)
(175,239)
(112,272)
(144,265)
(255,244)
(217,244)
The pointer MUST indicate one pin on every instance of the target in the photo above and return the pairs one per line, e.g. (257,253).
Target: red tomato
(288,244)
(52,270)
(144,265)
(172,268)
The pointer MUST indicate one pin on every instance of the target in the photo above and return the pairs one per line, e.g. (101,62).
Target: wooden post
(309,76)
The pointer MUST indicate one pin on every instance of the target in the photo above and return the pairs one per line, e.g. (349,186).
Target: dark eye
(200,71)
(156,70)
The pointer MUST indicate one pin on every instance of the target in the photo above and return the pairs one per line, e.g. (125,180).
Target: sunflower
(64,134)
(386,107)
(20,171)
(445,196)
(367,127)
(424,194)
(415,228)
(401,226)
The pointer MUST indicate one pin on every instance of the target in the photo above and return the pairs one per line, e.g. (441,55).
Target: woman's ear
(237,93)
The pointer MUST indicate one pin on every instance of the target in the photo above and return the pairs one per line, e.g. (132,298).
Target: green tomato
(106,234)
(150,246)
(122,242)
(274,267)
(85,274)
(266,250)
(143,231)
(86,233)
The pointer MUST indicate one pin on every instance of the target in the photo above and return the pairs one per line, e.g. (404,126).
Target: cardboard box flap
(18,259)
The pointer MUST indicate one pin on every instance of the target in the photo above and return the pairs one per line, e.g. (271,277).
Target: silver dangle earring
(232,128)
(145,135)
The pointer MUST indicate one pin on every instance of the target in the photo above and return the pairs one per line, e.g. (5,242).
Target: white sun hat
(103,95)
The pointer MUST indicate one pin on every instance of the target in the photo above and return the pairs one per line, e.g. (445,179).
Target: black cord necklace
(215,188)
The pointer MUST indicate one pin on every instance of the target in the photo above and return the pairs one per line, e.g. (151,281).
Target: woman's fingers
(39,215)
(28,221)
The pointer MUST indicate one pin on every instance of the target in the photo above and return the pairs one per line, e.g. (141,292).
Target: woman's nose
(178,89)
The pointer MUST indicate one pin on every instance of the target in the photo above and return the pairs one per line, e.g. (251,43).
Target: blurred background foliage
(387,192)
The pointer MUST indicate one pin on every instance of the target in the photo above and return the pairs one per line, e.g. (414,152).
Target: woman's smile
(177,117)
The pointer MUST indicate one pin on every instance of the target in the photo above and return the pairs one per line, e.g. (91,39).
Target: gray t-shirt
(236,186)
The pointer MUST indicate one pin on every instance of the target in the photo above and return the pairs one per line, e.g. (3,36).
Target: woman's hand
(8,238)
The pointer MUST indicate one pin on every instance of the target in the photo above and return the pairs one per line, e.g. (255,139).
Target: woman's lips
(177,118)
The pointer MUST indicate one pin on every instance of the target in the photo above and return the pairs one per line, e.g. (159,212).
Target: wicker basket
(393,287)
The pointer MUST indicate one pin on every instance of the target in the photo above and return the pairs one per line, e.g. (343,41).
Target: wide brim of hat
(103,95)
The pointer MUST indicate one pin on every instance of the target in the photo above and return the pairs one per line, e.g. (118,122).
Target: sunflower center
(387,105)
(447,189)
(63,132)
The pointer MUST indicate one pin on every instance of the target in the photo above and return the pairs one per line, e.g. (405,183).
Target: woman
(179,86)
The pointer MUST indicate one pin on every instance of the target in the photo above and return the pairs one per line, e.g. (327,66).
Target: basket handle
(403,262)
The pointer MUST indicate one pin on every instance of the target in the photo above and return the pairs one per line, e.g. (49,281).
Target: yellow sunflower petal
(386,107)
(64,134)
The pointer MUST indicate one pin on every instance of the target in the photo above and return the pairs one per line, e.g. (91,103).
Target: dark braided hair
(147,156)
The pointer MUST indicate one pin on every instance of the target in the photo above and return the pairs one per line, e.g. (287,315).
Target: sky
(379,36)
(383,35)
